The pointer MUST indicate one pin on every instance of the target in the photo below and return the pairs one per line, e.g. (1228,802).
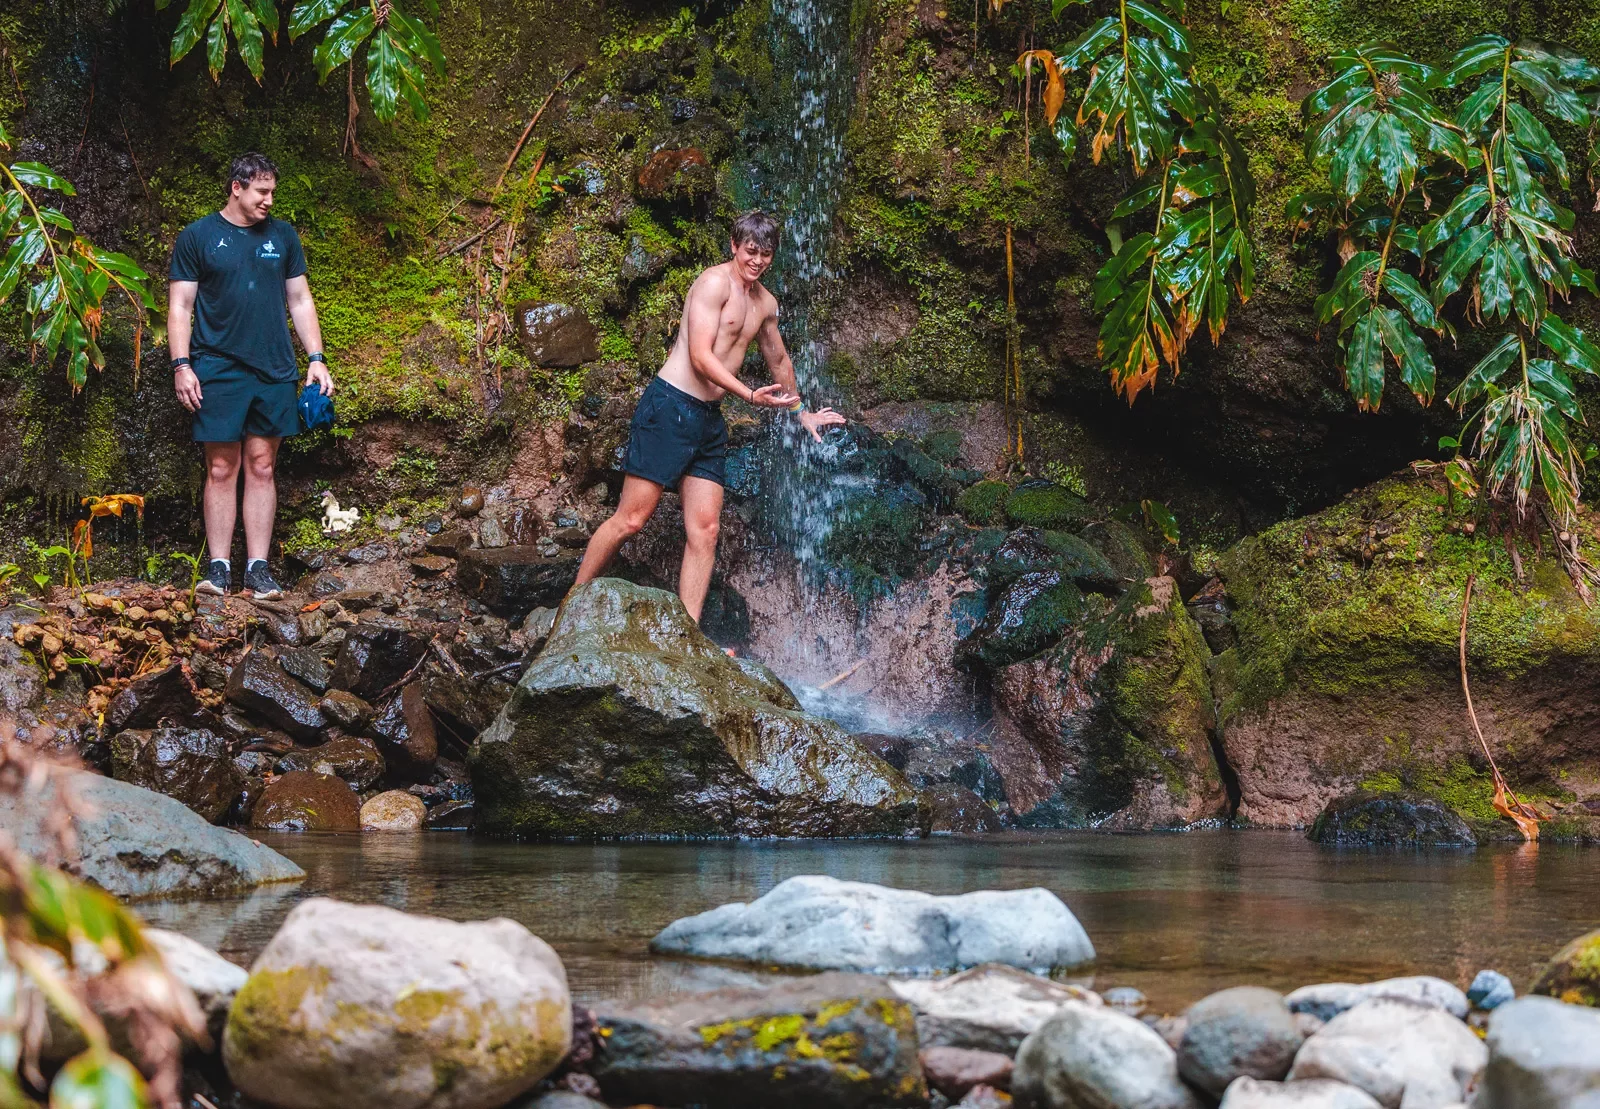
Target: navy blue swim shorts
(675,434)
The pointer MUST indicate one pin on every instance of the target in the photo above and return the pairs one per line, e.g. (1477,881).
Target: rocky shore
(353,1006)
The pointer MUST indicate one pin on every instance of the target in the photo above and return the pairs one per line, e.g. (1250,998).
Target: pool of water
(1175,915)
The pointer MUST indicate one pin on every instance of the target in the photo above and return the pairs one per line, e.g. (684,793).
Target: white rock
(363,1007)
(1405,1054)
(818,922)
(988,1008)
(393,811)
(1089,1057)
(211,978)
(1330,999)
(1543,1054)
(1312,1093)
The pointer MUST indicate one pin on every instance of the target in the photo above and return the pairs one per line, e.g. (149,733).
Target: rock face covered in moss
(364,1007)
(1573,975)
(1346,670)
(632,722)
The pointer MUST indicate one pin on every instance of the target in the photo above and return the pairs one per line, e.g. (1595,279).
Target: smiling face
(254,201)
(751,260)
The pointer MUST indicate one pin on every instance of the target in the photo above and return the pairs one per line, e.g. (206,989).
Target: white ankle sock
(253,563)
(226,565)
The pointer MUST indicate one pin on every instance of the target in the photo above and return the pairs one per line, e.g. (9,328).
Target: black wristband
(317,357)
(178,363)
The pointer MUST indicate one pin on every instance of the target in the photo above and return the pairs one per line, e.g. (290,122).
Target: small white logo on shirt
(269,250)
(222,242)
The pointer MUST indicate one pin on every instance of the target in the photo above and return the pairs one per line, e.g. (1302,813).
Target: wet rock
(451,816)
(307,667)
(393,811)
(136,843)
(364,1007)
(1088,1056)
(512,581)
(1490,989)
(1126,999)
(190,765)
(406,734)
(675,173)
(353,759)
(491,534)
(536,628)
(577,537)
(954,1071)
(892,749)
(360,600)
(373,658)
(431,566)
(1397,1051)
(990,1008)
(345,709)
(469,502)
(369,553)
(261,687)
(212,979)
(840,1040)
(1246,1031)
(468,705)
(1030,614)
(631,721)
(313,625)
(254,768)
(1327,1000)
(555,334)
(1367,819)
(303,801)
(1543,1054)
(958,811)
(166,695)
(1049,507)
(450,542)
(1030,551)
(817,922)
(1310,1093)
(281,623)
(1573,975)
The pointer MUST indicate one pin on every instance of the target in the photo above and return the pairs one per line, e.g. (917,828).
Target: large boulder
(1246,1031)
(632,722)
(555,334)
(834,1039)
(1111,725)
(1543,1054)
(306,801)
(365,1007)
(405,731)
(260,686)
(1400,1052)
(1088,1056)
(1573,975)
(191,765)
(821,923)
(1398,819)
(1346,673)
(135,843)
(990,1008)
(212,979)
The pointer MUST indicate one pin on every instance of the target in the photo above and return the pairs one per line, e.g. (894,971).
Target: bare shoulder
(768,302)
(713,285)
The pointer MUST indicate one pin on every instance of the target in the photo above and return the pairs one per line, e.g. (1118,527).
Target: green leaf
(1066,138)
(1486,372)
(1555,386)
(192,27)
(266,12)
(308,13)
(217,44)
(246,35)
(1462,254)
(1157,22)
(1553,96)
(420,41)
(1396,159)
(1476,109)
(348,31)
(1134,254)
(1353,160)
(42,177)
(1138,200)
(1409,351)
(385,57)
(1410,296)
(1482,54)
(1533,136)
(1471,200)
(1087,46)
(1363,364)
(1572,348)
(98,1080)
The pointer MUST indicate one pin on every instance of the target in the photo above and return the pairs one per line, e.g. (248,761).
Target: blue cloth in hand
(316,410)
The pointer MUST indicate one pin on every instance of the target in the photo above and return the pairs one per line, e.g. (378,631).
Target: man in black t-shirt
(236,274)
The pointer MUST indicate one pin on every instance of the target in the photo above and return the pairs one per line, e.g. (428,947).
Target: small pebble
(1490,989)
(1126,999)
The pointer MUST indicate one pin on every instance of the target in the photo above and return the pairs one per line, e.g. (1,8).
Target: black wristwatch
(180,363)
(317,357)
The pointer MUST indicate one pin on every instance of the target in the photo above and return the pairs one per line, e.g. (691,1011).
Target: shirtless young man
(678,438)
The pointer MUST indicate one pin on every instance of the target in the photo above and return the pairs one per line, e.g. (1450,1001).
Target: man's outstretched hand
(814,422)
(772,396)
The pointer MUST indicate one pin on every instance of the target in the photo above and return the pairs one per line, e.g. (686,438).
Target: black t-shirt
(241,311)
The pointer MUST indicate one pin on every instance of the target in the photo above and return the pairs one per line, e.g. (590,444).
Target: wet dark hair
(247,167)
(756,228)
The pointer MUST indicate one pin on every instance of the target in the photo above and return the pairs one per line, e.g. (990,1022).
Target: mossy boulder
(366,1007)
(1573,975)
(1112,724)
(1042,504)
(1346,672)
(1029,550)
(632,723)
(1401,819)
(984,504)
(1031,613)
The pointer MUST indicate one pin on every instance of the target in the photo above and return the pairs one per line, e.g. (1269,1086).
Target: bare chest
(738,323)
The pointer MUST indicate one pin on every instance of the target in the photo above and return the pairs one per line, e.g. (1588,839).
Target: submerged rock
(137,843)
(190,765)
(1573,975)
(990,1008)
(1095,1056)
(632,722)
(1543,1054)
(817,922)
(954,1071)
(1367,819)
(1308,1093)
(1400,1052)
(1328,999)
(303,801)
(364,1007)
(836,1040)
(1246,1031)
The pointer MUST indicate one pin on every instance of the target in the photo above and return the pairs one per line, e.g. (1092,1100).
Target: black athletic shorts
(236,401)
(675,434)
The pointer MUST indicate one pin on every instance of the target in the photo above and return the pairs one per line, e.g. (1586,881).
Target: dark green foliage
(944,446)
(875,541)
(67,276)
(1163,282)
(984,503)
(1029,615)
(1048,507)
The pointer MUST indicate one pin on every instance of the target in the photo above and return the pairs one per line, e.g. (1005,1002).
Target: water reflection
(1176,916)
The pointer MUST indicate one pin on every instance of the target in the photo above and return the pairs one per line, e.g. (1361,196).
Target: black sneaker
(259,584)
(216,580)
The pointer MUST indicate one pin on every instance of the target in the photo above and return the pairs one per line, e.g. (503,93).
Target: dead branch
(1505,802)
(466,243)
(843,676)
(528,130)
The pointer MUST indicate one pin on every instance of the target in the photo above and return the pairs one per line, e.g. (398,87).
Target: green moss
(1573,975)
(267,1003)
(984,504)
(1048,507)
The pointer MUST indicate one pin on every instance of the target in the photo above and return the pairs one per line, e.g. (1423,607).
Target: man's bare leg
(634,509)
(260,495)
(221,497)
(702,518)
